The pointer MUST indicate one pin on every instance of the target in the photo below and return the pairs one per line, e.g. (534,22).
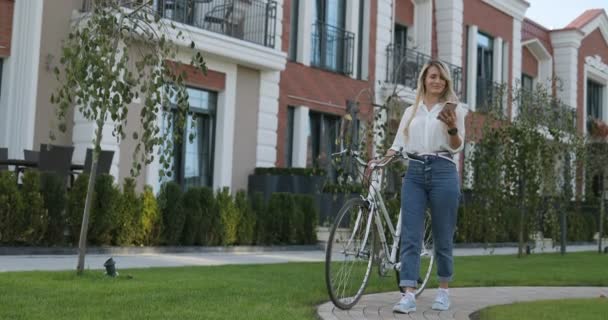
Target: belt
(424,156)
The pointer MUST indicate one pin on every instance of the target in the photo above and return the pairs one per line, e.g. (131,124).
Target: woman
(431,132)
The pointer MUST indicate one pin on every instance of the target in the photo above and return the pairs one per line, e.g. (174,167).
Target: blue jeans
(433,183)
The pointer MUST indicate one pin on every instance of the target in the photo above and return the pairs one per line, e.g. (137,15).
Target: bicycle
(352,242)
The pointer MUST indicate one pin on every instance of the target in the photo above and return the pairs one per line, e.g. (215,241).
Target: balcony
(332,48)
(552,114)
(491,97)
(404,66)
(249,20)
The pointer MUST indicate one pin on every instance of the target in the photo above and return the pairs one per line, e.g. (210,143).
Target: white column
(305,21)
(224,131)
(384,37)
(516,71)
(268,119)
(423,25)
(472,67)
(20,79)
(565,53)
(301,127)
(449,15)
(497,63)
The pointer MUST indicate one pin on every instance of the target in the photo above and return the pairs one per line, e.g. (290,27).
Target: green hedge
(290,171)
(122,216)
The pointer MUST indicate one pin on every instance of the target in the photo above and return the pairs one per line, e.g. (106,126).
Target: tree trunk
(601,224)
(82,242)
(522,216)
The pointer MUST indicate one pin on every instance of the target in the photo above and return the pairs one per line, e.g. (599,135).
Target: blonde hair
(448,92)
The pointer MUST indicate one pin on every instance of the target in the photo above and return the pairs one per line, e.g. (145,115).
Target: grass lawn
(588,309)
(283,291)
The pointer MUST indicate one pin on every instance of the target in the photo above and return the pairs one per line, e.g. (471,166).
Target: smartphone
(446,107)
(449,106)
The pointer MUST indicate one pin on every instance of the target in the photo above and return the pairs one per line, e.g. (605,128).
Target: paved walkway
(464,302)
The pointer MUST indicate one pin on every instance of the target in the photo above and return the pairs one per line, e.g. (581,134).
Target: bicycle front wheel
(349,254)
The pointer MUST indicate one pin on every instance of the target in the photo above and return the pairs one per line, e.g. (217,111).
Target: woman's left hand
(448,117)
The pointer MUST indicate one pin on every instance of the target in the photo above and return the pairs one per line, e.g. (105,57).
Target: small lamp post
(110,266)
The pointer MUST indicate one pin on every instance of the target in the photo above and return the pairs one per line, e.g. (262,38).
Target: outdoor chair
(56,159)
(31,155)
(104,162)
(3,156)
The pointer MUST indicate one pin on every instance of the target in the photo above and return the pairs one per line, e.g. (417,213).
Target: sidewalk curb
(16,251)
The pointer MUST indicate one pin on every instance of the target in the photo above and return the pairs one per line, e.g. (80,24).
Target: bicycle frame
(379,212)
(376,202)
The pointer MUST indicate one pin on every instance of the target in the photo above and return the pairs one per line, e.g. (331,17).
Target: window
(293,30)
(1,62)
(289,137)
(360,40)
(485,84)
(324,130)
(332,45)
(594,100)
(400,38)
(527,83)
(193,160)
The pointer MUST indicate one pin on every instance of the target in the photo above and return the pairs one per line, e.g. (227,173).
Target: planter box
(329,205)
(268,184)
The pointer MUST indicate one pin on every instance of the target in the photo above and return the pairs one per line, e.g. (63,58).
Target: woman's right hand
(370,167)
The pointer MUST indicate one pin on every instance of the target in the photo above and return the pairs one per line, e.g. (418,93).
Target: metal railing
(332,48)
(491,97)
(249,20)
(404,65)
(551,114)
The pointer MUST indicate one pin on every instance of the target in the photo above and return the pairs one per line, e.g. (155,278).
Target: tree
(115,53)
(522,166)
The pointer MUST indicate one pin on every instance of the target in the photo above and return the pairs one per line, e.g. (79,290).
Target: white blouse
(427,134)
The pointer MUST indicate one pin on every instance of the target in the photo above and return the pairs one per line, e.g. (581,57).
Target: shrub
(193,217)
(104,210)
(209,228)
(305,220)
(260,213)
(11,205)
(75,207)
(151,222)
(172,212)
(34,220)
(281,208)
(54,194)
(128,211)
(230,217)
(246,229)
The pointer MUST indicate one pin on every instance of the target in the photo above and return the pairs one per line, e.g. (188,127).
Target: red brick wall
(533,30)
(214,81)
(405,12)
(321,90)
(593,44)
(529,63)
(6,26)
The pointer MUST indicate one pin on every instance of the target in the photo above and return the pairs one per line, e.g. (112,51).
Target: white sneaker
(442,301)
(407,303)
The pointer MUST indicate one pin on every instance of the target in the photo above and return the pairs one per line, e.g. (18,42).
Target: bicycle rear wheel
(349,254)
(427,257)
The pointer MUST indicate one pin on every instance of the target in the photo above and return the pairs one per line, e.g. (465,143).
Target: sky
(556,14)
